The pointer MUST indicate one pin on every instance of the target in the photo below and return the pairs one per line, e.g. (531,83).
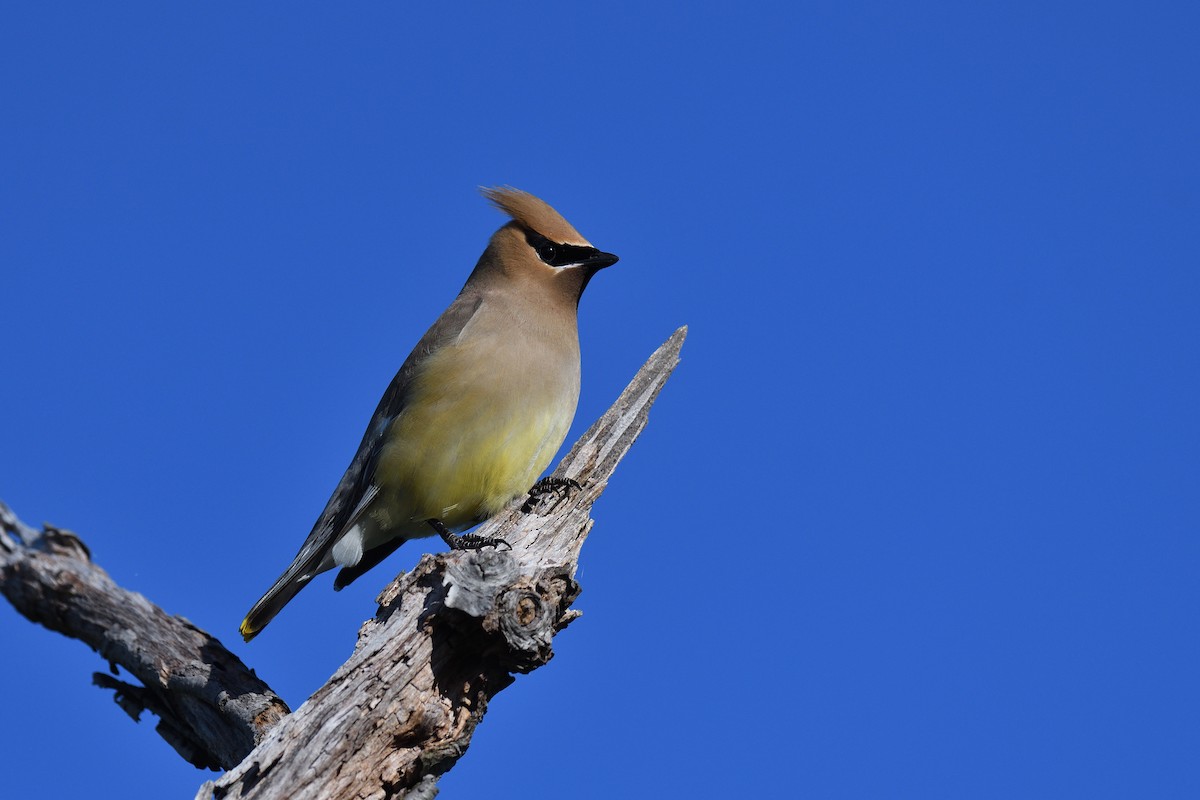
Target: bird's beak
(600,261)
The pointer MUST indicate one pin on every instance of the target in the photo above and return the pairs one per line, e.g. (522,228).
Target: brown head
(538,245)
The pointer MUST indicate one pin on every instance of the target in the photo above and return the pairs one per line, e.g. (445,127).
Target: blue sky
(917,515)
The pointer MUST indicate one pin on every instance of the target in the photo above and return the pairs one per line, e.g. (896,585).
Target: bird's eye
(547,252)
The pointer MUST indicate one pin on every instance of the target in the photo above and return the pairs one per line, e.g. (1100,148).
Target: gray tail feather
(295,578)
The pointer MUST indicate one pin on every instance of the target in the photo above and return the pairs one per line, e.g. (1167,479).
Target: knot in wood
(527,609)
(526,621)
(474,579)
(523,605)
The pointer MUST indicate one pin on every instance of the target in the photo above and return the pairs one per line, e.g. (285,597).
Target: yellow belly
(463,448)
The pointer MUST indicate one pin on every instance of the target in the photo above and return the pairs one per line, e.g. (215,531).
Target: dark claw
(469,541)
(473,541)
(550,485)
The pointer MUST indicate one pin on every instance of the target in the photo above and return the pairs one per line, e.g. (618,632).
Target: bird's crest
(533,213)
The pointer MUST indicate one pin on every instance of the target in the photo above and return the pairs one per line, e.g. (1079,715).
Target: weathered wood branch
(447,637)
(211,707)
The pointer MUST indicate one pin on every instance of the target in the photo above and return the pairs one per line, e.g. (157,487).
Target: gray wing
(355,489)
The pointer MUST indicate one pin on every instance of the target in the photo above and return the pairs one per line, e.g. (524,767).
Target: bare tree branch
(211,707)
(447,637)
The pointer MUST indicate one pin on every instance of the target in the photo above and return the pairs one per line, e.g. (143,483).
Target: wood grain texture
(447,637)
(212,709)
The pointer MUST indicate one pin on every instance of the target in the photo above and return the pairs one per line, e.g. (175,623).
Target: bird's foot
(550,485)
(468,541)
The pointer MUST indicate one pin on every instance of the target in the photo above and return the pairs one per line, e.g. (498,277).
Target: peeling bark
(212,709)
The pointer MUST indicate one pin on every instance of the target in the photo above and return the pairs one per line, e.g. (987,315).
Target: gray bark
(446,638)
(212,709)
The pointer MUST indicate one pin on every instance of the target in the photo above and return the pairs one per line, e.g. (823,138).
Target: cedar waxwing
(475,413)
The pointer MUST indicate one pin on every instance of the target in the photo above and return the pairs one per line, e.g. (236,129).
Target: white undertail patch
(348,550)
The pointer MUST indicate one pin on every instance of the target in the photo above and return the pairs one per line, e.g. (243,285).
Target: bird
(475,413)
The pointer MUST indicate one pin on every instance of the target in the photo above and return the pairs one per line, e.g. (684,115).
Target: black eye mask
(562,255)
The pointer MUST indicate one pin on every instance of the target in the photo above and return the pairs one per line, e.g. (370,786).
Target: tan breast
(484,418)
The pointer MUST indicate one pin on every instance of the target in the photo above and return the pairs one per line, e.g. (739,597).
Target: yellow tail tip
(248,632)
